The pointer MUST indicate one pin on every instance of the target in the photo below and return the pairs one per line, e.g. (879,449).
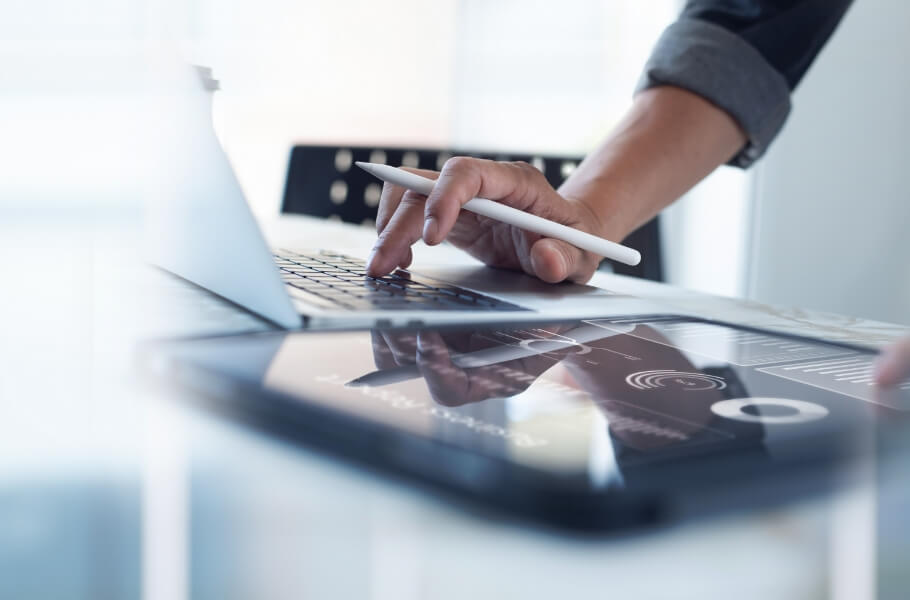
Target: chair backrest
(322,181)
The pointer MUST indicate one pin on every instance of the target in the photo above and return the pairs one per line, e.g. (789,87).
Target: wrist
(603,213)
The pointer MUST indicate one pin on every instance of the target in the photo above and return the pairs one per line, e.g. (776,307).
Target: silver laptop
(201,228)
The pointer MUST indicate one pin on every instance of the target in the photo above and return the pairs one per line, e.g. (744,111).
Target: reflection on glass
(599,396)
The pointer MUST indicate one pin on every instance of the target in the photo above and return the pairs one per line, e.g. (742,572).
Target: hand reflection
(647,411)
(461,368)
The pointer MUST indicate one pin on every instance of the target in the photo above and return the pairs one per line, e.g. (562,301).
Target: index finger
(462,179)
(391,197)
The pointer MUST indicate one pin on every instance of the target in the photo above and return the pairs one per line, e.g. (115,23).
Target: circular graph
(553,345)
(769,411)
(689,382)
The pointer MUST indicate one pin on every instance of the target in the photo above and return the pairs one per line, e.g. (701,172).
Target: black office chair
(322,181)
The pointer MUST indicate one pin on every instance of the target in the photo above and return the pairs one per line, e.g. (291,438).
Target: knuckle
(530,172)
(389,193)
(458,163)
(382,219)
(410,198)
(523,166)
(382,241)
(436,206)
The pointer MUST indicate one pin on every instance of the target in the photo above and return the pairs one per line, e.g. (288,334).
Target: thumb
(554,261)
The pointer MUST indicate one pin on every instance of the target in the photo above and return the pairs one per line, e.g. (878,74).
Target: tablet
(596,424)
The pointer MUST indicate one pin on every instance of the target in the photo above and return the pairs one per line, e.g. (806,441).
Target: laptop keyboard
(342,282)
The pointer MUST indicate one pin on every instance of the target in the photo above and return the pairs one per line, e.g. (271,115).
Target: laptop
(201,228)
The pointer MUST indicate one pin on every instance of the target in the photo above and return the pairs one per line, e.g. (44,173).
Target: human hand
(894,364)
(463,367)
(406,216)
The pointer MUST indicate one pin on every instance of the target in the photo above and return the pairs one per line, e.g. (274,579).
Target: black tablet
(603,423)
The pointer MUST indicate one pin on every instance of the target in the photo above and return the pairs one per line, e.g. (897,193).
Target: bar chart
(739,347)
(849,375)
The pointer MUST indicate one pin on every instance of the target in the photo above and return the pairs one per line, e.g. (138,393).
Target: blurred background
(821,223)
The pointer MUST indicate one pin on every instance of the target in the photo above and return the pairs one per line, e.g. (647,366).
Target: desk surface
(110,489)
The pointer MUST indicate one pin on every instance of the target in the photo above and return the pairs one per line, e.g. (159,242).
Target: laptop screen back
(199,224)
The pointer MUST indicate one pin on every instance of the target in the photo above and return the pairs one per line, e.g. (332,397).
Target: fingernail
(430,229)
(371,267)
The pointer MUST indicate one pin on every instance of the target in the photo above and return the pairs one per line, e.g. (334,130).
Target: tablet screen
(603,397)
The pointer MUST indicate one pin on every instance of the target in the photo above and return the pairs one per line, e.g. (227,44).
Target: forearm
(669,140)
(739,62)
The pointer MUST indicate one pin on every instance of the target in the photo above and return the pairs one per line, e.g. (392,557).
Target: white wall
(705,234)
(831,228)
(529,75)
(350,71)
(541,76)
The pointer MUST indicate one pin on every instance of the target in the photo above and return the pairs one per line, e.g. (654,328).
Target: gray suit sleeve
(745,56)
(720,66)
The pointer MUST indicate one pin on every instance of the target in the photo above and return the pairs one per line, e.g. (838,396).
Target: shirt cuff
(723,68)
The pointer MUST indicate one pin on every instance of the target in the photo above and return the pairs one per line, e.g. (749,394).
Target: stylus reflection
(542,342)
(585,363)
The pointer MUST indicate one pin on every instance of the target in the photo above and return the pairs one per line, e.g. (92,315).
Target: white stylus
(512,216)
